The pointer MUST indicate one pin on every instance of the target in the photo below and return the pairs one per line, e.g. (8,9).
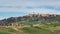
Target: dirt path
(16,29)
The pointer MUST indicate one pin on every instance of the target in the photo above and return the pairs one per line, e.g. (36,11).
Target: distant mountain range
(43,18)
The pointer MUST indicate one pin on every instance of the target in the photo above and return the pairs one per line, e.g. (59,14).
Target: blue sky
(14,8)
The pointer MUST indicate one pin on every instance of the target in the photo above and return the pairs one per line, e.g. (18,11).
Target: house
(16,25)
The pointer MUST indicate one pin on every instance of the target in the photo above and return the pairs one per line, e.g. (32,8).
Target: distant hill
(36,18)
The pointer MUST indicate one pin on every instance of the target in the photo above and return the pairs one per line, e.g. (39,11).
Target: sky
(15,8)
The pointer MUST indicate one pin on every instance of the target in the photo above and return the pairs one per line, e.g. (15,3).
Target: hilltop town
(31,19)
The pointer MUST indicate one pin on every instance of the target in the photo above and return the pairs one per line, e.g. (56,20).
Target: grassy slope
(26,30)
(27,22)
(36,31)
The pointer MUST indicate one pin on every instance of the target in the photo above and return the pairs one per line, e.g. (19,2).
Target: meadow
(42,29)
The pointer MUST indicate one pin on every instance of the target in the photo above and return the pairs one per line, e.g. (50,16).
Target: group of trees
(34,19)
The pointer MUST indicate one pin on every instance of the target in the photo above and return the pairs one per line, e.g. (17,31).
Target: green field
(30,30)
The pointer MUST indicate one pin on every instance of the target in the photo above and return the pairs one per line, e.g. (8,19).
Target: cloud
(29,2)
(44,11)
(1,17)
(8,14)
(42,6)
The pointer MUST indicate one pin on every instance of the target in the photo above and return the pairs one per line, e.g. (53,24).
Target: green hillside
(26,30)
(47,25)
